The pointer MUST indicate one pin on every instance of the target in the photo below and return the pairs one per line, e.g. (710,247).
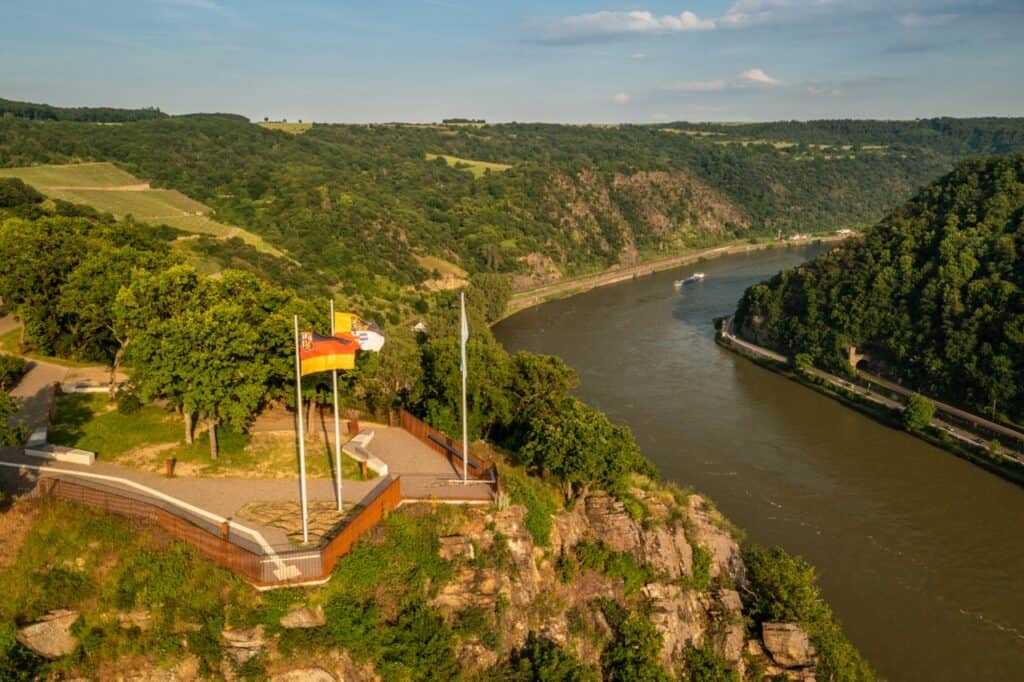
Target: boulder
(788,644)
(304,617)
(51,637)
(456,546)
(244,643)
(303,675)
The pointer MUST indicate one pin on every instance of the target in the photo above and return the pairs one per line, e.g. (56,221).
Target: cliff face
(690,607)
(616,217)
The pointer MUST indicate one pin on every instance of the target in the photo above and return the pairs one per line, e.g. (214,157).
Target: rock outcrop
(51,636)
(303,617)
(244,644)
(788,644)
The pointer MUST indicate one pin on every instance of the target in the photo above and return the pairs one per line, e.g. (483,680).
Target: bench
(356,449)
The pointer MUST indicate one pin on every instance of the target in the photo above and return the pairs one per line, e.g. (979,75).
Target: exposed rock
(303,675)
(456,546)
(732,635)
(680,616)
(304,617)
(511,523)
(479,587)
(788,644)
(51,637)
(610,523)
(472,654)
(139,618)
(243,644)
(665,548)
(725,551)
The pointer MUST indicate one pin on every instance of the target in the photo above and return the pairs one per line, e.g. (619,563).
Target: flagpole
(302,435)
(464,334)
(337,422)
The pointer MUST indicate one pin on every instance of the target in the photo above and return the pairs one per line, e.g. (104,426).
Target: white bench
(59,453)
(356,449)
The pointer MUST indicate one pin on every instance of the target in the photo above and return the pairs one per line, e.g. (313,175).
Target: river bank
(911,545)
(578,285)
(958,440)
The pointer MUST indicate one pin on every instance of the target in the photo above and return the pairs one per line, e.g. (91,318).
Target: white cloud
(208,5)
(638,55)
(758,77)
(613,22)
(915,20)
(621,98)
(749,78)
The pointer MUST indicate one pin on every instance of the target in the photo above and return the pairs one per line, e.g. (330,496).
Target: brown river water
(920,554)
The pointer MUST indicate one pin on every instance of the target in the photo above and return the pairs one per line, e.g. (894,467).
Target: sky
(602,61)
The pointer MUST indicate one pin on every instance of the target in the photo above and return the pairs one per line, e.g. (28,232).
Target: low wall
(231,551)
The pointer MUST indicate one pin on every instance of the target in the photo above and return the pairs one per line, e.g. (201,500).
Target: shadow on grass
(71,412)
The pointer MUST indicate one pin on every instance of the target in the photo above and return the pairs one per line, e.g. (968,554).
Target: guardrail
(261,565)
(440,443)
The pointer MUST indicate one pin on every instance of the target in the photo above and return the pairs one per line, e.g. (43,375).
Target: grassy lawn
(85,183)
(9,344)
(441,265)
(477,168)
(145,439)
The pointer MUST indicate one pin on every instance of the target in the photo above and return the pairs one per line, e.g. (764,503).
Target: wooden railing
(228,549)
(440,443)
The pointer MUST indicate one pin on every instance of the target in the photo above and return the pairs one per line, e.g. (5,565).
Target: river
(920,554)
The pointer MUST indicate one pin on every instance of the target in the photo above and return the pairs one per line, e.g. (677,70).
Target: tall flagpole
(337,422)
(302,435)
(464,335)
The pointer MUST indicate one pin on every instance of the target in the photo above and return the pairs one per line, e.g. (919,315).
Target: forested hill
(46,112)
(368,205)
(934,291)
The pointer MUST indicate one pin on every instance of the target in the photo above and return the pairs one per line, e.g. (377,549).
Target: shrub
(632,654)
(540,507)
(541,660)
(597,557)
(701,567)
(12,368)
(702,665)
(782,588)
(918,413)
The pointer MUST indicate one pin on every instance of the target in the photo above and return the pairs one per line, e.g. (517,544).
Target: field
(107,188)
(477,168)
(293,128)
(441,265)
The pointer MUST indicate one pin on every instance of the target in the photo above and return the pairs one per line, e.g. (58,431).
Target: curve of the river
(920,554)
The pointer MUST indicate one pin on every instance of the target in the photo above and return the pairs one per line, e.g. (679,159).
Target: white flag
(464,329)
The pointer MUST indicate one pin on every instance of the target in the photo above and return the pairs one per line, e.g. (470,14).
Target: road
(960,434)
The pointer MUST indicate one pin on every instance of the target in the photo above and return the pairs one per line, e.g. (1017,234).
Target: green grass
(84,183)
(432,263)
(72,175)
(146,438)
(293,128)
(9,344)
(477,168)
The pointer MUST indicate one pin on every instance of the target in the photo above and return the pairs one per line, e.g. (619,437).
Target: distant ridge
(45,112)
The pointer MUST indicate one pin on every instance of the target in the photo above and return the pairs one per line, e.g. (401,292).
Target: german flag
(324,353)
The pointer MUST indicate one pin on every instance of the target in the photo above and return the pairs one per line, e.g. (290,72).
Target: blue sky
(574,61)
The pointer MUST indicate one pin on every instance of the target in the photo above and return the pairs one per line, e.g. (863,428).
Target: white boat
(695,277)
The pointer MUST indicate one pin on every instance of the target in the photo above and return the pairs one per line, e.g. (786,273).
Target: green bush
(702,560)
(702,665)
(783,588)
(597,557)
(12,368)
(632,654)
(539,503)
(918,413)
(541,660)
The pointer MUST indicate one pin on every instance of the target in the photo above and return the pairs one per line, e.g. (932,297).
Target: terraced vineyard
(110,189)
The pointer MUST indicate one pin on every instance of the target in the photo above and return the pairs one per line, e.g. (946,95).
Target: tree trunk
(213,439)
(188,425)
(113,370)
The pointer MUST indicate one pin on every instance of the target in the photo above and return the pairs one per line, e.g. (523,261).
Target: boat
(695,277)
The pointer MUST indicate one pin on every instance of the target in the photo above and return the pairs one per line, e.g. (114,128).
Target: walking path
(960,434)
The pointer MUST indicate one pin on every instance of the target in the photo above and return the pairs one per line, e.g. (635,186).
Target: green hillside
(933,293)
(361,203)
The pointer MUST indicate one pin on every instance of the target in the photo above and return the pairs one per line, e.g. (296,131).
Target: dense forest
(45,112)
(362,205)
(933,293)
